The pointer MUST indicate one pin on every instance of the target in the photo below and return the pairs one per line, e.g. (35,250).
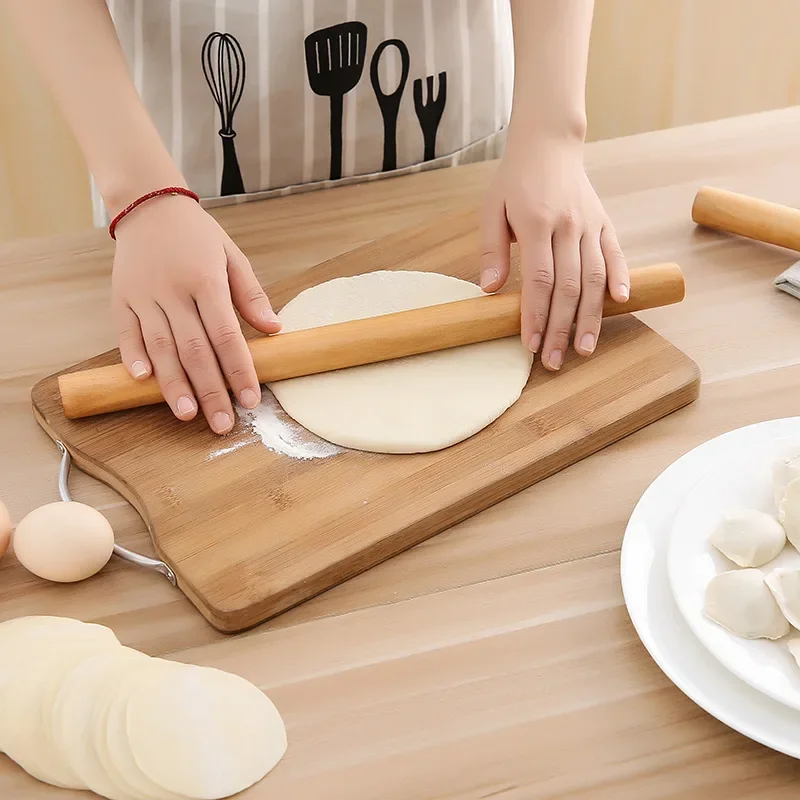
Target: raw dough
(111,738)
(64,542)
(78,705)
(409,405)
(30,706)
(748,537)
(25,637)
(789,512)
(794,649)
(78,710)
(785,587)
(785,469)
(35,658)
(203,733)
(741,602)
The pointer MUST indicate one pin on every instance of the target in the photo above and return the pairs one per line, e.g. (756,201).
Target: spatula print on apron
(334,63)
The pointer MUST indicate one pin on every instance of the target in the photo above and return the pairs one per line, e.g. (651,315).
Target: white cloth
(261,97)
(789,280)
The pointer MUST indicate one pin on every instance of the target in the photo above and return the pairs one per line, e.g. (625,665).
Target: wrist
(119,197)
(150,197)
(567,127)
(528,140)
(127,183)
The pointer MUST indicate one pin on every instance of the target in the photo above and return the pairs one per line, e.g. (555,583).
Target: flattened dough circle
(78,704)
(203,733)
(408,405)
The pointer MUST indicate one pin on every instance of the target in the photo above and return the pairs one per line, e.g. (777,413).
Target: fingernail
(489,277)
(139,369)
(221,422)
(587,343)
(624,291)
(185,405)
(268,315)
(249,398)
(535,343)
(555,360)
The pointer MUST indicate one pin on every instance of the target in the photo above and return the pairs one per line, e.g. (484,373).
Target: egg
(64,542)
(5,529)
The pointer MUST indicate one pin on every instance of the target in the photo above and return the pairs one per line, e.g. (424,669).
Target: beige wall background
(653,64)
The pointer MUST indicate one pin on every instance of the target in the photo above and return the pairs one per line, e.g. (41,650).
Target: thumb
(247,294)
(495,257)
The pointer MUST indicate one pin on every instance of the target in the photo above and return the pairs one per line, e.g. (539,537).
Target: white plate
(657,620)
(740,476)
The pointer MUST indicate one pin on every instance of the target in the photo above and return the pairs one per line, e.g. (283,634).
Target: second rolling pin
(96,391)
(747,216)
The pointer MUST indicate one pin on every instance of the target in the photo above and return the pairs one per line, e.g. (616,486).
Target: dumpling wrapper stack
(80,711)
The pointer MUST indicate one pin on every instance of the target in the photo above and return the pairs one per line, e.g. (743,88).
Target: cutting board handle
(747,216)
(348,344)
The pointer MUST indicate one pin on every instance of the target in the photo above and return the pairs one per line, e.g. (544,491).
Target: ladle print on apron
(224,69)
(335,59)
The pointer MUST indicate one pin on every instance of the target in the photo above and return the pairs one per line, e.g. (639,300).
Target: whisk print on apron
(224,70)
(256,98)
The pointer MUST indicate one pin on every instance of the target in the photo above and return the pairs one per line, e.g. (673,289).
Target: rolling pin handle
(362,341)
(751,217)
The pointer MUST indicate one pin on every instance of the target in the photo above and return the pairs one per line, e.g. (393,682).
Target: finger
(201,366)
(593,290)
(169,374)
(231,350)
(131,344)
(495,258)
(618,276)
(247,294)
(536,255)
(566,295)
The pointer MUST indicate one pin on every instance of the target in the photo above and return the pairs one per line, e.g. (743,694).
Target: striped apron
(256,98)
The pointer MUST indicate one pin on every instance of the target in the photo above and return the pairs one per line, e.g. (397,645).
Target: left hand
(541,198)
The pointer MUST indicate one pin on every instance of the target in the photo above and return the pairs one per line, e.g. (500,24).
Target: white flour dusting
(229,449)
(281,434)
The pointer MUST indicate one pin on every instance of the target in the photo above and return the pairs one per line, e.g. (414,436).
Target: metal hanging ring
(120,552)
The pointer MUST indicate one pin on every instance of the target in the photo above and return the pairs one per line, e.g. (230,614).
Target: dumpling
(794,649)
(785,469)
(785,587)
(789,512)
(749,538)
(741,602)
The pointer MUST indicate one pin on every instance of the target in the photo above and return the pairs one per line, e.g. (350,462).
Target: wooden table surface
(497,659)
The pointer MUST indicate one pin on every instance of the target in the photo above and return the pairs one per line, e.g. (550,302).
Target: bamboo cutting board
(250,532)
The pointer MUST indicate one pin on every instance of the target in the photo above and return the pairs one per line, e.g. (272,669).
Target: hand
(177,277)
(569,253)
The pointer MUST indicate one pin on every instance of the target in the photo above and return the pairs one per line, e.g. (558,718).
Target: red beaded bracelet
(174,190)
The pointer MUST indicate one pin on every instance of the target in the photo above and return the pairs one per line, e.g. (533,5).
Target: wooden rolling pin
(348,344)
(747,216)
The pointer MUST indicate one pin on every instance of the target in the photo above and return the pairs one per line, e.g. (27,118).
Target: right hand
(177,279)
